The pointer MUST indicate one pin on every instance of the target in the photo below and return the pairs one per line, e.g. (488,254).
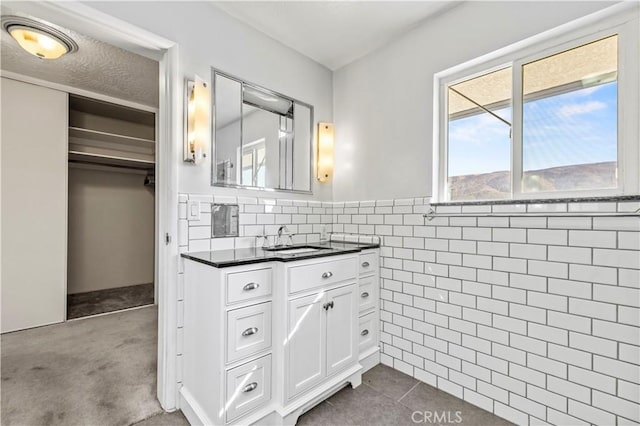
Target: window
(479,132)
(542,121)
(569,119)
(253,164)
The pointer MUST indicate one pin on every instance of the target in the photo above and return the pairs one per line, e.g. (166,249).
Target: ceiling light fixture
(37,38)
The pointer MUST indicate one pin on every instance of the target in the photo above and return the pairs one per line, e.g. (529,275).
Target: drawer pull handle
(327,275)
(250,331)
(365,294)
(250,286)
(365,264)
(250,387)
(364,332)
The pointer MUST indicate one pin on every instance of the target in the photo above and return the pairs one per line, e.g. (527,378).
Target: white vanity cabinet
(228,334)
(265,342)
(368,309)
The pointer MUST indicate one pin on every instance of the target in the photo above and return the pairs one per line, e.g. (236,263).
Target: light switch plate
(193,210)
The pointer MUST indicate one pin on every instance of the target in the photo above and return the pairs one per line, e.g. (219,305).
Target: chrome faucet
(284,229)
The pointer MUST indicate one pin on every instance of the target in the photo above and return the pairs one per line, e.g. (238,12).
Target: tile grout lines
(409,391)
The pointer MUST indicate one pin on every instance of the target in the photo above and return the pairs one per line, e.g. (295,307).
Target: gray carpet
(165,419)
(95,371)
(109,300)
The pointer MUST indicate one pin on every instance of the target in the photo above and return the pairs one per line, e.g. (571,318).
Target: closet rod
(109,166)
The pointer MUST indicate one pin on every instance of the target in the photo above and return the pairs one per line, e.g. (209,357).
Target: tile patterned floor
(388,397)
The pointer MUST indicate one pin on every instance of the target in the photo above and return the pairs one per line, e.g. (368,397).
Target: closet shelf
(110,160)
(96,135)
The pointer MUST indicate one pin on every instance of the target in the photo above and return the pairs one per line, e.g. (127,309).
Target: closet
(111,207)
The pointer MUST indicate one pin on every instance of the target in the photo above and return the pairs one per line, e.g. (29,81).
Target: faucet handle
(265,240)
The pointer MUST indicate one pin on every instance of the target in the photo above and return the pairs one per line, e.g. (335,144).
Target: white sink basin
(298,251)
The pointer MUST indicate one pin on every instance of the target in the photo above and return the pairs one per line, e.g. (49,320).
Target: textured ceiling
(96,66)
(333,33)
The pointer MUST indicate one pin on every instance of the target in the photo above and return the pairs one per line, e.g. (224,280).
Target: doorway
(168,128)
(111,207)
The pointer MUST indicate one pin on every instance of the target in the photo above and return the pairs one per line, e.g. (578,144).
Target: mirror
(262,139)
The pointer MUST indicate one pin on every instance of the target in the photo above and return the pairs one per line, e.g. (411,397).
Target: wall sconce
(197,131)
(37,38)
(325,151)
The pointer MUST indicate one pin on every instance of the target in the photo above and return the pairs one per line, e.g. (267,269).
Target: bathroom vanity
(270,334)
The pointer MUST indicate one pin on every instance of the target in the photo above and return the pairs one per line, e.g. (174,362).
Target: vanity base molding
(197,417)
(289,415)
(370,359)
(272,414)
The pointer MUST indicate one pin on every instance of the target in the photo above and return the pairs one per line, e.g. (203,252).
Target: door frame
(101,26)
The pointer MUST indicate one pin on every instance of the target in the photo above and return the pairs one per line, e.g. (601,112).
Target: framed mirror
(262,139)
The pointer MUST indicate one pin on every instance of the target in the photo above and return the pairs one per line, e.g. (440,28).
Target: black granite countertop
(246,256)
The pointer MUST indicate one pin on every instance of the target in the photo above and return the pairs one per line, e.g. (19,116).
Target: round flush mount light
(39,39)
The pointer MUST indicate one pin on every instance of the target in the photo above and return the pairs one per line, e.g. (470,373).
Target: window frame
(616,20)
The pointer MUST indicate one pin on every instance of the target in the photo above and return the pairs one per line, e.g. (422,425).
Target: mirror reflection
(262,139)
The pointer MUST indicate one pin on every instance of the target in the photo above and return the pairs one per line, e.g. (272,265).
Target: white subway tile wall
(533,318)
(536,319)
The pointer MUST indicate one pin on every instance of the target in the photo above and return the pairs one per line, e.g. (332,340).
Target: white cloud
(580,108)
(478,130)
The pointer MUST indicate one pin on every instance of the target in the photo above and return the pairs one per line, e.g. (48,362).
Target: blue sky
(573,128)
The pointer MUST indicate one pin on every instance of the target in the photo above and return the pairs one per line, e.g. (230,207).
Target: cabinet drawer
(367,294)
(248,331)
(248,285)
(368,330)
(368,263)
(248,387)
(318,274)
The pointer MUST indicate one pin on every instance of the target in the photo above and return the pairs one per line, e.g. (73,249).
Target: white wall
(111,224)
(383,102)
(209,37)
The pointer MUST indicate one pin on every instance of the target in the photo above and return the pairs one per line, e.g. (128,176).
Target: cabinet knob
(251,286)
(327,274)
(365,264)
(364,332)
(327,305)
(364,294)
(250,387)
(250,331)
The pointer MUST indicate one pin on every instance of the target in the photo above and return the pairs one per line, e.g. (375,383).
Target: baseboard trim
(192,410)
(370,358)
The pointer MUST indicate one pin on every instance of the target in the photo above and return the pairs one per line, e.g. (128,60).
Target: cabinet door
(305,343)
(342,337)
(34,205)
